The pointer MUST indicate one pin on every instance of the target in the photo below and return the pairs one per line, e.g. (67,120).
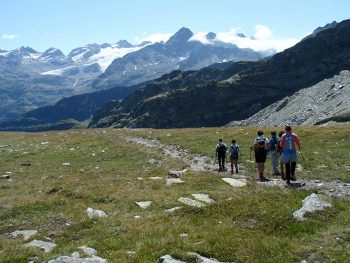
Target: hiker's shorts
(289,157)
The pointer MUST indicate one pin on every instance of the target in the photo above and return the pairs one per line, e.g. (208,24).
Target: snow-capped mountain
(31,79)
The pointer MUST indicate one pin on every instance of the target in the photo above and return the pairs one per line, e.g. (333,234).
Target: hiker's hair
(220,140)
(260,132)
(273,133)
(288,128)
(281,133)
(233,141)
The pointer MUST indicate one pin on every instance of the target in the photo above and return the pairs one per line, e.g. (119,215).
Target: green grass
(250,224)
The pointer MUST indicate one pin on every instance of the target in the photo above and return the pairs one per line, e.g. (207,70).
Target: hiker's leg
(220,162)
(232,161)
(292,170)
(274,160)
(223,161)
(287,164)
(236,165)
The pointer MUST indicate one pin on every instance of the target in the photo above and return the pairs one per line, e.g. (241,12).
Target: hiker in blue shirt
(273,151)
(234,155)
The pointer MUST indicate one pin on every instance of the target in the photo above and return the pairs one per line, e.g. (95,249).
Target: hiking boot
(277,173)
(283,177)
(293,178)
(263,179)
(236,171)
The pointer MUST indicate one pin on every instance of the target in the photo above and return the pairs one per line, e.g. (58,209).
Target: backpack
(274,144)
(289,143)
(222,149)
(234,151)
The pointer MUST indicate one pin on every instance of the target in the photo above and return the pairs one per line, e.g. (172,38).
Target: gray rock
(5,176)
(144,204)
(66,259)
(171,181)
(169,259)
(235,182)
(311,203)
(190,202)
(204,198)
(94,213)
(177,174)
(171,210)
(89,250)
(25,233)
(46,246)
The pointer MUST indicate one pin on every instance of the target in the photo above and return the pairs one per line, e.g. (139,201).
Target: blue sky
(67,24)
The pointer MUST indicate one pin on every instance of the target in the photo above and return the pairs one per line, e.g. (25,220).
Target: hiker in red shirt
(289,142)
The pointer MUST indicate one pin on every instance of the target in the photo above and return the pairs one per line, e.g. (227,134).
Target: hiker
(274,153)
(279,149)
(289,142)
(260,146)
(234,155)
(220,151)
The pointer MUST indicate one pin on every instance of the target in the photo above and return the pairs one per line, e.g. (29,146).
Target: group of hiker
(281,148)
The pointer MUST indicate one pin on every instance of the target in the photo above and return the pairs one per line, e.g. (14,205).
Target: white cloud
(9,36)
(263,39)
(201,37)
(158,37)
(262,32)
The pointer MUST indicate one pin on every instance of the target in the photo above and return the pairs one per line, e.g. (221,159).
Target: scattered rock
(140,178)
(25,233)
(66,164)
(176,174)
(5,176)
(170,210)
(93,213)
(76,254)
(190,202)
(89,250)
(310,204)
(206,260)
(171,181)
(144,204)
(46,246)
(200,259)
(235,182)
(183,235)
(169,259)
(156,178)
(65,259)
(204,198)
(25,164)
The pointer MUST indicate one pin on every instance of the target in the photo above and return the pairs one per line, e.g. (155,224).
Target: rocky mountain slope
(31,79)
(242,94)
(156,91)
(327,101)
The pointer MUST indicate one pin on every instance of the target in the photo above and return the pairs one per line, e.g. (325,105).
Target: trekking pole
(302,155)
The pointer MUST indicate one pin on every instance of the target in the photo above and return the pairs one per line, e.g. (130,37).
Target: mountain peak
(124,44)
(210,36)
(53,53)
(181,36)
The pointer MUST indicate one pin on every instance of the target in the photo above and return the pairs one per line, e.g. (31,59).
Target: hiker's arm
(297,142)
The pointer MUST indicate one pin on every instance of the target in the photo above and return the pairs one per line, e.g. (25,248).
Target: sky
(67,24)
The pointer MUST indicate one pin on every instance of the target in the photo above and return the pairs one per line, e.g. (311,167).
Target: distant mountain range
(31,79)
(275,89)
(241,93)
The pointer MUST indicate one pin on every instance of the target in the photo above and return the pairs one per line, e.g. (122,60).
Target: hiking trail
(203,163)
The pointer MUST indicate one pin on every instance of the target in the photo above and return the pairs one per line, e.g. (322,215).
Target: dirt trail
(202,163)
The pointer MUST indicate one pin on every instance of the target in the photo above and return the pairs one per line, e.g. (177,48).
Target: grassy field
(250,224)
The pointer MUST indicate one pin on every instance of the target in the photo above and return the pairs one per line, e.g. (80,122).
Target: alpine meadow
(174,132)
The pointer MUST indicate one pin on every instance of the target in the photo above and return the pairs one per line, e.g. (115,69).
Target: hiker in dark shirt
(220,152)
(260,146)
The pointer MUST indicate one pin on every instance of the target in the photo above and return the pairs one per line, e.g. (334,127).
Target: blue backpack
(234,151)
